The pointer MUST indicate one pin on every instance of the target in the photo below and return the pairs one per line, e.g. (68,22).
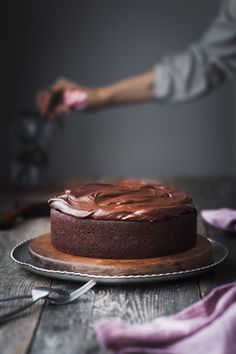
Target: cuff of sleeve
(162,82)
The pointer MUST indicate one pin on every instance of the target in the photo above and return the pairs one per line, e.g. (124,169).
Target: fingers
(43,101)
(59,110)
(62,84)
(62,97)
(50,104)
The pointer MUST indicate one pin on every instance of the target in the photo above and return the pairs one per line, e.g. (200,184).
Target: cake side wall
(123,239)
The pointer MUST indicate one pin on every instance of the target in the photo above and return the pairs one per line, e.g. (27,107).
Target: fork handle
(16,297)
(7,316)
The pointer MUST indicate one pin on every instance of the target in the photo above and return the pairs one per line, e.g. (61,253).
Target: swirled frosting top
(125,200)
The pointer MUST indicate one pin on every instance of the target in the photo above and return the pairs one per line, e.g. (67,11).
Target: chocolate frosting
(125,200)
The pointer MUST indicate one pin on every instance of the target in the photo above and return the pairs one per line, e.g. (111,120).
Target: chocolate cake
(124,220)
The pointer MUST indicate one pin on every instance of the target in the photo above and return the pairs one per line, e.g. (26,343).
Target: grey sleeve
(204,66)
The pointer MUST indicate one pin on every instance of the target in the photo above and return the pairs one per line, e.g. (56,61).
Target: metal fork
(65,297)
(54,296)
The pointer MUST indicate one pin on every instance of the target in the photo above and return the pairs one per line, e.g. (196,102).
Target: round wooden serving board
(44,255)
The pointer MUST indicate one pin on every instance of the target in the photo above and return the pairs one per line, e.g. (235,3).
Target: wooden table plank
(62,329)
(136,304)
(139,304)
(16,335)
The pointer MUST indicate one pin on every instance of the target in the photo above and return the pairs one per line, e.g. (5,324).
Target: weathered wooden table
(48,329)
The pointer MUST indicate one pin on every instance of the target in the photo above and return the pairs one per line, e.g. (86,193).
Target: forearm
(132,90)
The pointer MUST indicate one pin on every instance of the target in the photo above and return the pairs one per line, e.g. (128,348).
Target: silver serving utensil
(36,295)
(55,296)
(59,296)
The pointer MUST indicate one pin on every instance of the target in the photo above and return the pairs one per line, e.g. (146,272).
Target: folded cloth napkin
(208,326)
(75,99)
(223,218)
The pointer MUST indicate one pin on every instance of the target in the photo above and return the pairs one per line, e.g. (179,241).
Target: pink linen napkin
(208,326)
(224,218)
(75,99)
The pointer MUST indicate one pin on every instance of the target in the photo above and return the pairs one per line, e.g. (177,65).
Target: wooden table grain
(45,329)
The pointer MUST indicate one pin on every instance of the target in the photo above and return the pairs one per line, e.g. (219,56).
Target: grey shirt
(205,65)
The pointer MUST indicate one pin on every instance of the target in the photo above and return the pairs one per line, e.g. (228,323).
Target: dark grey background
(98,42)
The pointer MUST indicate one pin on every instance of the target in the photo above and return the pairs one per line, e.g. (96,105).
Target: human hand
(65,96)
